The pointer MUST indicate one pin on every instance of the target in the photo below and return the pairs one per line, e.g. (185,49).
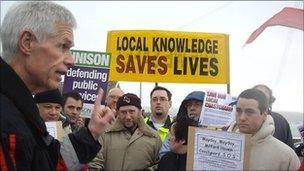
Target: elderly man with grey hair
(36,40)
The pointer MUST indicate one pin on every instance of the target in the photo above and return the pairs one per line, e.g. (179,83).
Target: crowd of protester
(36,40)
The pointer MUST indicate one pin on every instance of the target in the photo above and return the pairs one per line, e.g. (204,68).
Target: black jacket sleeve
(85,145)
(282,129)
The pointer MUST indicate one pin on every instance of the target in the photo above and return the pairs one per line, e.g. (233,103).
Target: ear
(264,114)
(182,142)
(25,41)
(170,103)
(140,112)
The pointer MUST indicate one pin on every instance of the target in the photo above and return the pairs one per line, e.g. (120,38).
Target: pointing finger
(110,115)
(99,97)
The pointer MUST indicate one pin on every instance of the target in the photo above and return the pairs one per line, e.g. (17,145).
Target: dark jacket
(195,95)
(25,142)
(173,161)
(282,130)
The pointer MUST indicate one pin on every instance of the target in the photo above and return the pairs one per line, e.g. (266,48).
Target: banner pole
(228,88)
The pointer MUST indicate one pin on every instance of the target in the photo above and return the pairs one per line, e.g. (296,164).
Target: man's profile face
(73,108)
(194,108)
(129,116)
(175,144)
(249,118)
(49,111)
(160,103)
(50,59)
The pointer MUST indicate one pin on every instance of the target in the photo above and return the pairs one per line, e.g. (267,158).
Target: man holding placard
(50,106)
(267,152)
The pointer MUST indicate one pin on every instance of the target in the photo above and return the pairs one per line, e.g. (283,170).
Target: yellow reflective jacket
(162,131)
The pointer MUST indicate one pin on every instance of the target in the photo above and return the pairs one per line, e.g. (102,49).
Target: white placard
(218,109)
(217,150)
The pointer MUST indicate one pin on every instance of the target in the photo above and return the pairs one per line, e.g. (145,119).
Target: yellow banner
(168,56)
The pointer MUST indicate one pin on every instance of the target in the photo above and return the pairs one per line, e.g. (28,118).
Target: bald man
(112,98)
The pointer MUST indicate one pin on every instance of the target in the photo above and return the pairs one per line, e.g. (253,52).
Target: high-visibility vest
(162,131)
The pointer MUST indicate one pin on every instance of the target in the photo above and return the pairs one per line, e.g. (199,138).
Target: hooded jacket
(182,111)
(267,152)
(195,95)
(123,151)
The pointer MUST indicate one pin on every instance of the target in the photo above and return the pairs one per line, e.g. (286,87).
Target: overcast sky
(275,58)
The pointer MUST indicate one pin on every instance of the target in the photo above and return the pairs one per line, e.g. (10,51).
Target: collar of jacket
(14,89)
(266,130)
(142,126)
(166,125)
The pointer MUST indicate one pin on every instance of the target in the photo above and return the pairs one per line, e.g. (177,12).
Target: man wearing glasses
(112,98)
(160,104)
(190,107)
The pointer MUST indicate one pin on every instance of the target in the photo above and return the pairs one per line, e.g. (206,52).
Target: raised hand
(80,121)
(101,116)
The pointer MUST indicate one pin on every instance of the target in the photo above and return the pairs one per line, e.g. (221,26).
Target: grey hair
(40,17)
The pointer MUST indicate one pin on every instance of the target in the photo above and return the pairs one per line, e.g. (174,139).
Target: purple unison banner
(91,72)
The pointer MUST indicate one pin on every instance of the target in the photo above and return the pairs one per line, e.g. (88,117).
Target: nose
(128,116)
(242,116)
(69,59)
(75,112)
(53,111)
(192,107)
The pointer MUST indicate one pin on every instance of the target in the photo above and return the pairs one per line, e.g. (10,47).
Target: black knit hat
(128,99)
(51,96)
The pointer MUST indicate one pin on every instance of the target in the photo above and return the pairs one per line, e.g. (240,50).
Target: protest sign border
(191,142)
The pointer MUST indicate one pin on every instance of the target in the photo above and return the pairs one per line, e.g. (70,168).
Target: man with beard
(129,144)
(160,104)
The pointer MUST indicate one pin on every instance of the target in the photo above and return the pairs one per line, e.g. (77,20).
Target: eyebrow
(69,42)
(159,97)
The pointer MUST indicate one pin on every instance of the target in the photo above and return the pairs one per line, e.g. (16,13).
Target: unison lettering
(96,59)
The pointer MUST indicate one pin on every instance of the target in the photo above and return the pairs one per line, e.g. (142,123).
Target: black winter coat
(173,161)
(282,129)
(25,143)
